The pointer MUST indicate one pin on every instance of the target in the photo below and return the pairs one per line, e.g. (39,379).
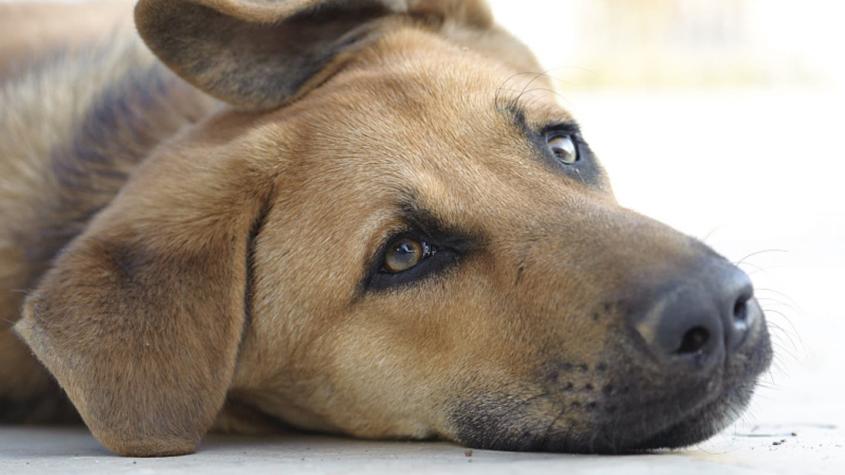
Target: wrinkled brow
(516,114)
(430,223)
(513,112)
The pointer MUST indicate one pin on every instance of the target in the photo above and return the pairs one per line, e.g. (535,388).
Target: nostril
(693,341)
(741,312)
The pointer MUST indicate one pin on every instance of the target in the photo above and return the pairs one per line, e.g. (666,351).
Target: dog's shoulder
(75,126)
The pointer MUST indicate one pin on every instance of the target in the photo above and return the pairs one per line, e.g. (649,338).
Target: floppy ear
(260,54)
(141,316)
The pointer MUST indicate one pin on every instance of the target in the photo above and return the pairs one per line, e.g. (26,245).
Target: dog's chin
(636,434)
(642,418)
(689,429)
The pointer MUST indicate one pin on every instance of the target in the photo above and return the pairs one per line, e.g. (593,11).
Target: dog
(364,217)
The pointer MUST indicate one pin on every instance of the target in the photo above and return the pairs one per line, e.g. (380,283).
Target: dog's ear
(141,316)
(260,54)
(474,14)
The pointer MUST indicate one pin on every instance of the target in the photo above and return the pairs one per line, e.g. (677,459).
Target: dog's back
(76,120)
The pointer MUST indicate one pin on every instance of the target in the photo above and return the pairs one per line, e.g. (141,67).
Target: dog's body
(77,120)
(172,249)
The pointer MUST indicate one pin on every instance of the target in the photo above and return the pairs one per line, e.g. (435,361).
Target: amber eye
(404,254)
(563,147)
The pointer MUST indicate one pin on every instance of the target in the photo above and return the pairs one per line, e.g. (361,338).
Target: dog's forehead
(418,87)
(438,112)
(453,130)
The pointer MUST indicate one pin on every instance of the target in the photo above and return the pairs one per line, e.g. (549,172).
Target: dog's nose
(698,321)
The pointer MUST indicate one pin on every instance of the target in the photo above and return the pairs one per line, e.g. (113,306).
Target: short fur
(181,251)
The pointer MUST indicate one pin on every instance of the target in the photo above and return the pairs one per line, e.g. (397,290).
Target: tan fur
(177,253)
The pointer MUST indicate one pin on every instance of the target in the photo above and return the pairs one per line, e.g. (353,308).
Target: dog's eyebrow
(428,222)
(420,217)
(513,111)
(515,114)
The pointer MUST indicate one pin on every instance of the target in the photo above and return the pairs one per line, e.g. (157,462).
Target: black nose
(699,317)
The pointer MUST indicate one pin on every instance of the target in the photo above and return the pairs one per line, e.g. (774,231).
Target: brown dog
(379,226)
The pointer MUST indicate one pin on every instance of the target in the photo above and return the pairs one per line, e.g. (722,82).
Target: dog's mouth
(673,424)
(637,418)
(499,424)
(699,425)
(685,418)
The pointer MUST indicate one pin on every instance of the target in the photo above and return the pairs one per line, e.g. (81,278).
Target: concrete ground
(763,450)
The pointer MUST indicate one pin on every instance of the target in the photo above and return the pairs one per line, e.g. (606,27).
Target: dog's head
(394,232)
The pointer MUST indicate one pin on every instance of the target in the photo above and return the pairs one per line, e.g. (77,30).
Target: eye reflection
(405,254)
(563,147)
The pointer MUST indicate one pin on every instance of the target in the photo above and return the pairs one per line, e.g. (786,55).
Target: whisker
(509,79)
(709,234)
(783,351)
(776,292)
(779,331)
(497,98)
(779,302)
(527,86)
(787,320)
(757,253)
(753,266)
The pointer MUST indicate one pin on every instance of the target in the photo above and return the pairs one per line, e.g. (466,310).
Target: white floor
(771,449)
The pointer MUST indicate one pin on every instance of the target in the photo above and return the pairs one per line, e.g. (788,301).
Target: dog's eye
(415,255)
(563,147)
(404,254)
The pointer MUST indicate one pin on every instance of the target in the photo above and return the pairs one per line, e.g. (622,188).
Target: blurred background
(724,118)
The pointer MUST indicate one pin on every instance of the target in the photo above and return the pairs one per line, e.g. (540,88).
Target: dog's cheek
(380,383)
(401,366)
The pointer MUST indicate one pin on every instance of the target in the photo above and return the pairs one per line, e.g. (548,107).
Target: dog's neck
(140,105)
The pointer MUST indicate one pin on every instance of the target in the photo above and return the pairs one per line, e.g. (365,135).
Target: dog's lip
(692,428)
(697,423)
(635,418)
(641,441)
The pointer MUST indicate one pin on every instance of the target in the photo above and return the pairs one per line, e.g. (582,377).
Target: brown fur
(176,252)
